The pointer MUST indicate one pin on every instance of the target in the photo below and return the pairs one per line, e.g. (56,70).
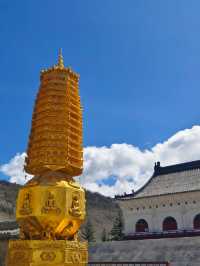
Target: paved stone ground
(178,251)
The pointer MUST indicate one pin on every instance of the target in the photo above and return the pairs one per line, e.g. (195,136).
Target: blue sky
(139,63)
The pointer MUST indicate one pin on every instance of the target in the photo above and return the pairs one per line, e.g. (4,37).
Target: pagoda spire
(60,59)
(51,206)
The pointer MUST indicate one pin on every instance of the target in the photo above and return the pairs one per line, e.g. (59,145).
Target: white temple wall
(189,215)
(181,206)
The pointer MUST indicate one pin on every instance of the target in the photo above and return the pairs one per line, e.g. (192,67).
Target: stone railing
(129,263)
(163,234)
(9,234)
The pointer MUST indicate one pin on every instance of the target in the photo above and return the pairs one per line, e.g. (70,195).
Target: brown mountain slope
(101,212)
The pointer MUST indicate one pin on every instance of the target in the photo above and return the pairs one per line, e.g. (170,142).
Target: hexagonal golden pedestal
(54,210)
(47,252)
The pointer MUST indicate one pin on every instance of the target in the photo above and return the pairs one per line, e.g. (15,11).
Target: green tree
(88,232)
(103,235)
(117,229)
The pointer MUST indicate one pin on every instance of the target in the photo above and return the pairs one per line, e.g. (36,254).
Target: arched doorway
(196,222)
(141,226)
(169,224)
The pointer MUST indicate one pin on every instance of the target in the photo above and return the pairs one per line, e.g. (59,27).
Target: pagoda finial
(60,59)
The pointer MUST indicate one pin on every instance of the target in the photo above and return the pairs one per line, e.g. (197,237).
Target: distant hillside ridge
(8,194)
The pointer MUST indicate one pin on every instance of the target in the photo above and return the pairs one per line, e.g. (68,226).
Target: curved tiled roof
(169,180)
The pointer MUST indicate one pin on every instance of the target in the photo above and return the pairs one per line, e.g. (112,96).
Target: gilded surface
(52,211)
(36,252)
(26,205)
(51,206)
(55,141)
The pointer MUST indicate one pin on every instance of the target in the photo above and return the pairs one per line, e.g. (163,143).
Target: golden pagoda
(51,206)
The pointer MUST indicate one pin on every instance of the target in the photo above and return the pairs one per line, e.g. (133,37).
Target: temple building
(168,205)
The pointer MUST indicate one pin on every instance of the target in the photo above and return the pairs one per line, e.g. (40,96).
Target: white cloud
(130,166)
(15,169)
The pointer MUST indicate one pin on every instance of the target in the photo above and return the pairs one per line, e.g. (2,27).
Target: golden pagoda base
(47,252)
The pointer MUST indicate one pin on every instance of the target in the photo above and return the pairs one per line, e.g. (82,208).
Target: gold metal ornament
(51,206)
